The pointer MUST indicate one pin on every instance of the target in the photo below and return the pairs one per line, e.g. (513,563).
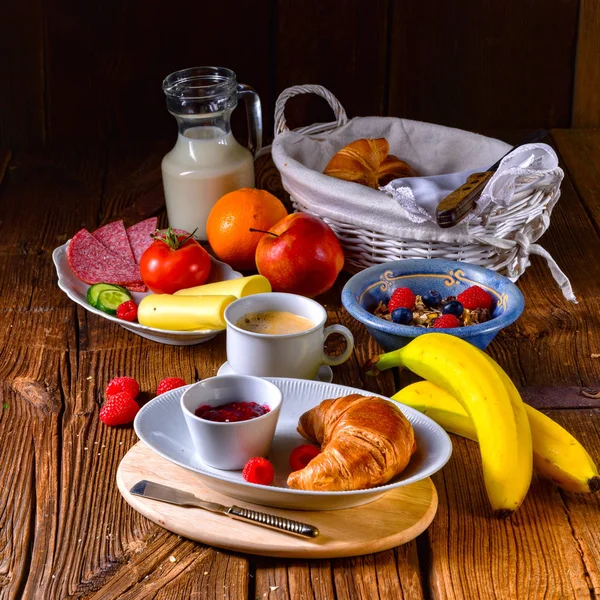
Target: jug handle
(254,116)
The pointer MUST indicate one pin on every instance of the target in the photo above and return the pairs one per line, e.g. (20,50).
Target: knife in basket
(164,493)
(457,205)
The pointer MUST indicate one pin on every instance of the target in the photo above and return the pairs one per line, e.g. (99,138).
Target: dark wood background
(92,71)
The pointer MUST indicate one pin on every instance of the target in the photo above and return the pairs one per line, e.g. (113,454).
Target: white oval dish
(76,290)
(160,424)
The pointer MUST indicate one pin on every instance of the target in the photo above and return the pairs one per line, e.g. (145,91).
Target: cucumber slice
(95,290)
(109,300)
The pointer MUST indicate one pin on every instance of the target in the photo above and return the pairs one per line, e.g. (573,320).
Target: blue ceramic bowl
(363,292)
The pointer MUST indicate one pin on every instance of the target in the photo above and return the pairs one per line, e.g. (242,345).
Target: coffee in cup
(280,335)
(274,322)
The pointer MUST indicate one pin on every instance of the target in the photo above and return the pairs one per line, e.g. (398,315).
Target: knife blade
(457,205)
(164,493)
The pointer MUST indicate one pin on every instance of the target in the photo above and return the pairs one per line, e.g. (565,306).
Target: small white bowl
(229,446)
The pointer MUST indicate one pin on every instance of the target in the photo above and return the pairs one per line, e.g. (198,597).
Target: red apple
(301,255)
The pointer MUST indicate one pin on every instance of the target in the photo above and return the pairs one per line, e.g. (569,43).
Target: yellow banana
(557,455)
(468,375)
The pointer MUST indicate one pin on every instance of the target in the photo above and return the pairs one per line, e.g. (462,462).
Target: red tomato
(174,262)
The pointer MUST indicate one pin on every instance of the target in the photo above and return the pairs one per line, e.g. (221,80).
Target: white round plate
(325,373)
(76,289)
(160,424)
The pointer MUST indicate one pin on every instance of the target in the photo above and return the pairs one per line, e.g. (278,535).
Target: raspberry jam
(232,412)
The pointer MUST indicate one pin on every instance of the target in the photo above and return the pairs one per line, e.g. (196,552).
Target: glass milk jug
(206,161)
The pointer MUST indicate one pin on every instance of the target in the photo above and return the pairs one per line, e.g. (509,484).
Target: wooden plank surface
(539,553)
(312,46)
(75,71)
(22,102)
(106,63)
(58,478)
(483,65)
(61,505)
(580,153)
(586,89)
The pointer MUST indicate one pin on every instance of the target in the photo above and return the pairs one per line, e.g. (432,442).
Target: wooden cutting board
(394,519)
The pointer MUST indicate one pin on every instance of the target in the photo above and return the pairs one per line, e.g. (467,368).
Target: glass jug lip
(200,83)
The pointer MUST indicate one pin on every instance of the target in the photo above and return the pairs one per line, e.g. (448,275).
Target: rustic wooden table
(65,531)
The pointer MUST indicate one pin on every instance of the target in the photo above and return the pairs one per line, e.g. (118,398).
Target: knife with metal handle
(156,491)
(457,205)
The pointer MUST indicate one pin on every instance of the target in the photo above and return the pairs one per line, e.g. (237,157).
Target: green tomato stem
(170,238)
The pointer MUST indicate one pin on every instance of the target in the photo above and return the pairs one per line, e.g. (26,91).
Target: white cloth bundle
(527,167)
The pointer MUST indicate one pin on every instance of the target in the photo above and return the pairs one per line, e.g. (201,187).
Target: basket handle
(297,90)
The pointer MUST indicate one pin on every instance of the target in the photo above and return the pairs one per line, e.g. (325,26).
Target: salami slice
(140,236)
(114,237)
(93,263)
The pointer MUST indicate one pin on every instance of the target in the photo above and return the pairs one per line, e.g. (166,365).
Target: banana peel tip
(370,367)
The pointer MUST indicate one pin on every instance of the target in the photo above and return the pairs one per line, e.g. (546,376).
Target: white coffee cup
(296,355)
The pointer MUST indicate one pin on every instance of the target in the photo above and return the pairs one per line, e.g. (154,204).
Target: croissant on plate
(369,163)
(365,442)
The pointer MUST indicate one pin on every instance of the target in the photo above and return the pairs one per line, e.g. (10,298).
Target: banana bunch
(557,455)
(468,393)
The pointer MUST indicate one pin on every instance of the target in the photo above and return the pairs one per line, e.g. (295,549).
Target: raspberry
(446,322)
(258,470)
(119,409)
(402,298)
(475,297)
(127,311)
(302,455)
(168,384)
(122,384)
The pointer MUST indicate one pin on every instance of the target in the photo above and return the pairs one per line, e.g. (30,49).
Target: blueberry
(432,298)
(403,316)
(454,307)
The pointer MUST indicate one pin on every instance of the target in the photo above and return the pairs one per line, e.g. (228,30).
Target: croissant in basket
(368,162)
(365,441)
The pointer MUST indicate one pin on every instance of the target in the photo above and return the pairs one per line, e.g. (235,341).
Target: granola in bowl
(468,308)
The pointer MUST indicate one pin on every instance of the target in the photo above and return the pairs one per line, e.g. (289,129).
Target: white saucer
(325,373)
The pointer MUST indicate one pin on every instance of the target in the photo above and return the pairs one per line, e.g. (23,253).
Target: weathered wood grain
(104,76)
(583,510)
(349,59)
(50,194)
(22,103)
(580,153)
(4,160)
(32,396)
(133,181)
(538,553)
(84,539)
(475,66)
(586,89)
(57,480)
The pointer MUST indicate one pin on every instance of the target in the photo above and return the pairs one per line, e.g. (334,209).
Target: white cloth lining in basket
(500,237)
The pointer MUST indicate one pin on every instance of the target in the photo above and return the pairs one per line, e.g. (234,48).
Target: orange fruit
(231,218)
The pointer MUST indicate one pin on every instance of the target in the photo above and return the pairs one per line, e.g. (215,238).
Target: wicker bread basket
(497,238)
